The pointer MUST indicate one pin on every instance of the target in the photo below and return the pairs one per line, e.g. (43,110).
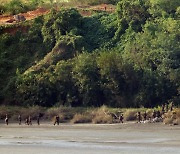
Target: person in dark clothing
(56,120)
(158,114)
(154,114)
(29,120)
(163,110)
(19,119)
(166,107)
(139,116)
(145,116)
(171,106)
(6,120)
(26,121)
(105,8)
(38,120)
(121,118)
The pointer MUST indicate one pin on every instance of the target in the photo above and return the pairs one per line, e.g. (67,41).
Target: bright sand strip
(128,138)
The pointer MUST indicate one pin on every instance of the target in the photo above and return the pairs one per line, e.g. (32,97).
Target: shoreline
(68,124)
(66,138)
(81,115)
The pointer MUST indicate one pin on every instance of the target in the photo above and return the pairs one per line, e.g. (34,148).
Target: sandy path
(89,139)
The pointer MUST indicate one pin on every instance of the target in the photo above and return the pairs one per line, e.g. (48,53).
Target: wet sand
(130,138)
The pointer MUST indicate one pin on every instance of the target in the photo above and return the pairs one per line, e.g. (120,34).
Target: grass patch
(82,118)
(101,116)
(14,111)
(130,114)
(172,117)
(66,114)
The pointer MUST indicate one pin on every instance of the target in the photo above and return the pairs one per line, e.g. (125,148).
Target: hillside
(30,15)
(90,55)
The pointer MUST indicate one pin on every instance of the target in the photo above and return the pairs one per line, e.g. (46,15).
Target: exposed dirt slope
(10,19)
(28,15)
(84,10)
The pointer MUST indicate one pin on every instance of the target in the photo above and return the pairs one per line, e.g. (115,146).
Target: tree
(58,24)
(155,51)
(67,92)
(132,13)
(87,79)
(118,79)
(163,8)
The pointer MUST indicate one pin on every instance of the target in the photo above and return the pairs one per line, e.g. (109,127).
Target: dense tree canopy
(130,58)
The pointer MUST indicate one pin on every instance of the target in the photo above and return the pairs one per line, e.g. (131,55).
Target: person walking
(121,118)
(145,116)
(163,109)
(19,119)
(139,116)
(6,120)
(29,120)
(38,120)
(166,107)
(158,114)
(105,8)
(26,121)
(56,120)
(171,106)
(154,114)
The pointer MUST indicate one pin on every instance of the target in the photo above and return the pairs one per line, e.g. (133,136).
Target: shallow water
(90,139)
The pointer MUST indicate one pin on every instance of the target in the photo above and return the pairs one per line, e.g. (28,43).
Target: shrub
(176,121)
(149,113)
(130,114)
(16,6)
(2,9)
(65,113)
(101,116)
(81,118)
(51,112)
(168,121)
(172,117)
(177,111)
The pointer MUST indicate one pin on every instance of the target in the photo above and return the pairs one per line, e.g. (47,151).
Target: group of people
(156,116)
(28,120)
(166,108)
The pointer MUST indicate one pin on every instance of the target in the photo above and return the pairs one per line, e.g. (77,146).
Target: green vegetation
(19,6)
(129,58)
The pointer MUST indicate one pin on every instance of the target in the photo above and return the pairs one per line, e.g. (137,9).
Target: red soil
(84,10)
(28,15)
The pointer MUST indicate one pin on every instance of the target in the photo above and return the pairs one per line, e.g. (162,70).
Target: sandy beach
(128,138)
